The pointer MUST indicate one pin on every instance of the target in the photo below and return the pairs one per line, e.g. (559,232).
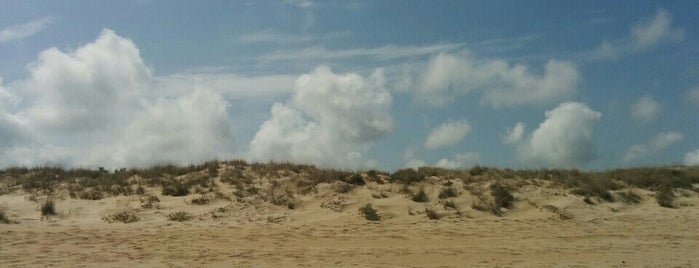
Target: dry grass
(180,216)
(370,213)
(124,217)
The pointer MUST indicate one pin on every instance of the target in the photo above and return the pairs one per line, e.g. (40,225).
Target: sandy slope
(320,233)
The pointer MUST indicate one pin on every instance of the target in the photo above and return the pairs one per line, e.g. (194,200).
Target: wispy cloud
(271,36)
(382,53)
(22,31)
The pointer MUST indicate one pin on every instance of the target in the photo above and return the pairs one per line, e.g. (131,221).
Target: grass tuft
(124,216)
(180,216)
(48,208)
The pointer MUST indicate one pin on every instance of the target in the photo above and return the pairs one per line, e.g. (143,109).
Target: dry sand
(548,227)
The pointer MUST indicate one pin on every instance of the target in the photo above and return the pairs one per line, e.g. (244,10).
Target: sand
(546,227)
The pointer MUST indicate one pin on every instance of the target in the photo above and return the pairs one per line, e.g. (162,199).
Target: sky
(350,84)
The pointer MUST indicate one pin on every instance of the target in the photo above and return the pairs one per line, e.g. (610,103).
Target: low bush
(407,176)
(48,208)
(665,197)
(180,216)
(201,200)
(124,216)
(629,197)
(432,214)
(370,213)
(449,192)
(420,196)
(503,197)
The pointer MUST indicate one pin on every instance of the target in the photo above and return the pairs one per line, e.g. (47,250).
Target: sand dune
(287,223)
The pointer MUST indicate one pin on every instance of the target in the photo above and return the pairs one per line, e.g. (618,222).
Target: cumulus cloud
(22,31)
(648,33)
(459,161)
(514,135)
(692,158)
(447,134)
(658,144)
(646,109)
(331,120)
(451,75)
(95,106)
(564,139)
(415,163)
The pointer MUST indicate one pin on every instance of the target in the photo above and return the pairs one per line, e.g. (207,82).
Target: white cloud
(646,109)
(447,134)
(331,120)
(299,3)
(459,161)
(388,52)
(22,31)
(451,75)
(648,33)
(514,135)
(193,127)
(658,144)
(692,158)
(693,96)
(564,139)
(100,105)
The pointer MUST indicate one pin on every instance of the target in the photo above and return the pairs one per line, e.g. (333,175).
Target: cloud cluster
(693,96)
(565,139)
(646,109)
(659,143)
(449,75)
(692,158)
(447,134)
(95,106)
(22,31)
(331,120)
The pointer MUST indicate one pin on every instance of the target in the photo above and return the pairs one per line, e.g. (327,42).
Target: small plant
(370,213)
(448,192)
(342,187)
(356,179)
(450,204)
(202,200)
(665,197)
(432,214)
(421,196)
(124,216)
(180,216)
(48,208)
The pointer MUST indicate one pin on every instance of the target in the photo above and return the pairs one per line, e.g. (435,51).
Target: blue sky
(350,84)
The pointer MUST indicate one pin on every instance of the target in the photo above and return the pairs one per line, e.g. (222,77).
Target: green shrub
(180,216)
(48,208)
(124,216)
(370,213)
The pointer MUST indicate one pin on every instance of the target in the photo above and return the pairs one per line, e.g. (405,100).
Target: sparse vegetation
(370,213)
(149,201)
(180,216)
(124,217)
(175,189)
(629,197)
